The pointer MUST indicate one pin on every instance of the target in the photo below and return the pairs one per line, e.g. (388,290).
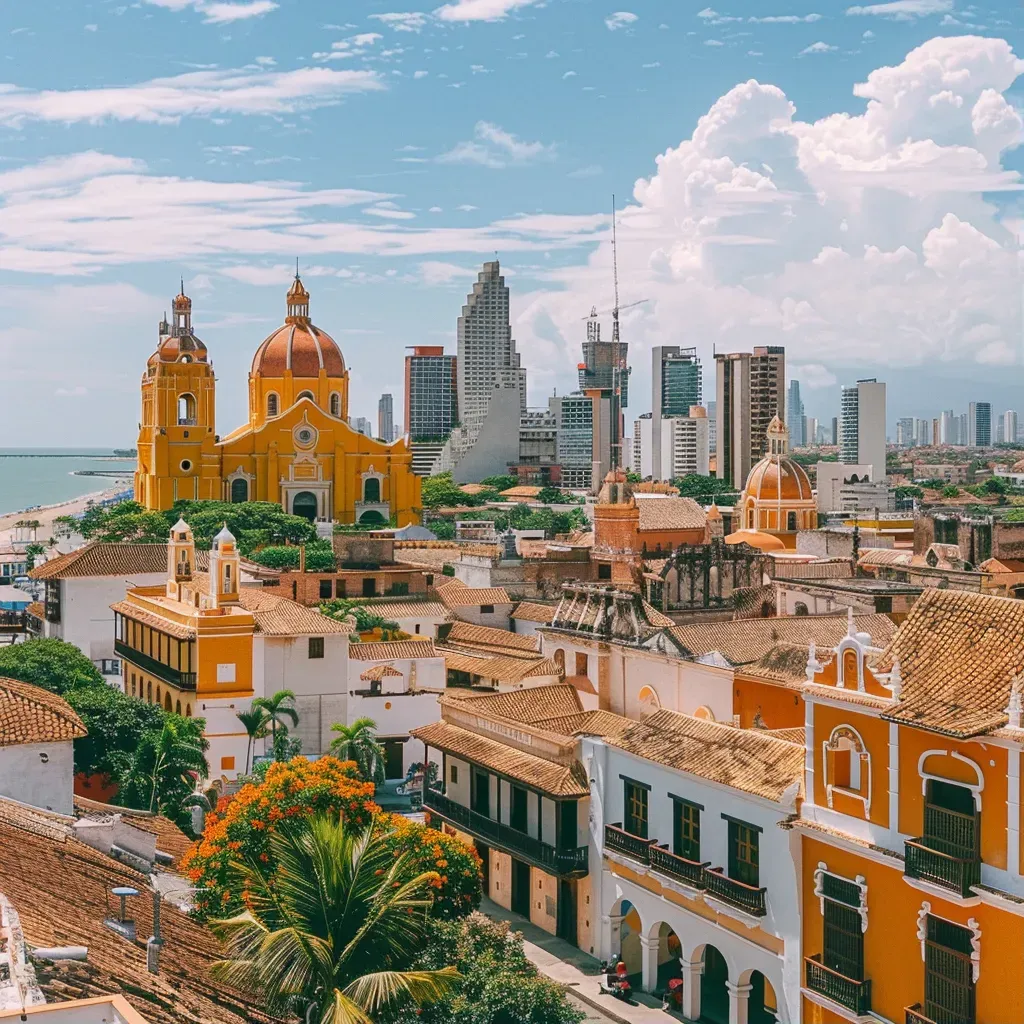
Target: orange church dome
(777,477)
(298,345)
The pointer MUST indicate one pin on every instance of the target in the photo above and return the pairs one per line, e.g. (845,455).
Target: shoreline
(46,514)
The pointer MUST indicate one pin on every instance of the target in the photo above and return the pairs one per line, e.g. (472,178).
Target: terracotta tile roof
(280,616)
(528,611)
(429,559)
(380,671)
(165,625)
(783,663)
(521,491)
(743,641)
(998,565)
(831,569)
(547,776)
(36,609)
(670,514)
(61,890)
(466,634)
(169,838)
(581,684)
(393,650)
(393,610)
(958,654)
(589,723)
(463,596)
(532,705)
(99,559)
(30,714)
(656,618)
(507,669)
(747,759)
(794,734)
(885,556)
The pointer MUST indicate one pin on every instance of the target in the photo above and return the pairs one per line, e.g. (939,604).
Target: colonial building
(297,448)
(201,645)
(912,882)
(511,782)
(777,499)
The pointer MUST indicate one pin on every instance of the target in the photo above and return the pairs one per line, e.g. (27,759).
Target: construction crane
(595,312)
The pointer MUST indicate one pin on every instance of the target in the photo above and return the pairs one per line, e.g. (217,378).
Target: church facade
(296,450)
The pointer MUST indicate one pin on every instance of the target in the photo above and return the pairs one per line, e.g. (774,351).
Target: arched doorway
(714,996)
(372,516)
(305,504)
(762,1003)
(670,949)
(629,949)
(168,706)
(239,489)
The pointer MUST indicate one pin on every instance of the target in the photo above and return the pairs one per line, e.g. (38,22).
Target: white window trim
(865,766)
(819,890)
(972,924)
(975,788)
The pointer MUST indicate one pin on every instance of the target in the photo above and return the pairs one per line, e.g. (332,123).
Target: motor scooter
(613,979)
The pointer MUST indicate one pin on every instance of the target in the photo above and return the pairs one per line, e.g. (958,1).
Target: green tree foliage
(1014,515)
(909,491)
(52,664)
(554,496)
(500,985)
(158,775)
(255,722)
(441,491)
(125,521)
(951,491)
(331,936)
(500,483)
(360,610)
(280,712)
(443,529)
(706,489)
(358,742)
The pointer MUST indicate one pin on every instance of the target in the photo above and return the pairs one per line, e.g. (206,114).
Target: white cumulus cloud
(494,147)
(904,10)
(619,20)
(479,10)
(220,12)
(857,240)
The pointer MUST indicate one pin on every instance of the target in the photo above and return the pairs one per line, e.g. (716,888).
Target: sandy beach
(48,513)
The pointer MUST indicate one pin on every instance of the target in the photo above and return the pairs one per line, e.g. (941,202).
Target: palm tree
(255,721)
(279,708)
(358,742)
(164,764)
(330,935)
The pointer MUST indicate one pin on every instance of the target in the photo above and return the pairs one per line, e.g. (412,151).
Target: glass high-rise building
(431,393)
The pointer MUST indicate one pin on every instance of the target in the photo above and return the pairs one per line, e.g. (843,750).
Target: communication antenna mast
(616,402)
(615,276)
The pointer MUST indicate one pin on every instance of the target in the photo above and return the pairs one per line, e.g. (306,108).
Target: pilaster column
(649,959)
(1013,813)
(692,972)
(894,779)
(611,925)
(739,1002)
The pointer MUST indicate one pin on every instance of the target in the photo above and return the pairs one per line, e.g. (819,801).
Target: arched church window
(186,410)
(791,521)
(239,489)
(750,519)
(371,489)
(335,404)
(305,394)
(271,404)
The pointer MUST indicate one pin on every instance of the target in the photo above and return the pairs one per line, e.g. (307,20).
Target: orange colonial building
(777,500)
(297,448)
(912,888)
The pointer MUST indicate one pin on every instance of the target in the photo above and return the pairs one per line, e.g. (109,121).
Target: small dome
(756,539)
(777,477)
(298,345)
(224,537)
(176,347)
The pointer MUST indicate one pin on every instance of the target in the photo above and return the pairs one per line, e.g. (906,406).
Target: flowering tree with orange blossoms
(292,792)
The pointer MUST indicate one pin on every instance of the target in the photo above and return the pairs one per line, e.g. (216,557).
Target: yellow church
(297,448)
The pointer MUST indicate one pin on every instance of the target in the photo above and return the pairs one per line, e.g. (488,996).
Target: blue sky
(842,180)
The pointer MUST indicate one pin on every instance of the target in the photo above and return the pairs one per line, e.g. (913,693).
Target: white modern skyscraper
(862,426)
(386,418)
(487,355)
(1009,426)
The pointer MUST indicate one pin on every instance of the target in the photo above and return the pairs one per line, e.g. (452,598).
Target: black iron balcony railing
(559,860)
(854,995)
(182,680)
(738,894)
(950,871)
(618,839)
(689,872)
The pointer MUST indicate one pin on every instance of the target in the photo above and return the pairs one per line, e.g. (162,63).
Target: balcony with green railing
(916,1015)
(617,839)
(948,854)
(749,898)
(848,992)
(679,869)
(182,680)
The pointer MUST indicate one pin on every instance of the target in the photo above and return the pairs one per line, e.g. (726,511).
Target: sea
(46,476)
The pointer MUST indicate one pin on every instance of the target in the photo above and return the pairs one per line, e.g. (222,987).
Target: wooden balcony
(749,898)
(571,862)
(915,1015)
(689,872)
(618,839)
(854,995)
(925,862)
(182,680)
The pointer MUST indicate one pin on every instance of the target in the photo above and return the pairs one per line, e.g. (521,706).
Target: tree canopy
(52,664)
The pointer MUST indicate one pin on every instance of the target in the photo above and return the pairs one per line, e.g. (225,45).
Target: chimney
(122,924)
(155,943)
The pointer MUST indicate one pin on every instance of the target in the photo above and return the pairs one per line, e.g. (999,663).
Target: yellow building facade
(912,886)
(297,448)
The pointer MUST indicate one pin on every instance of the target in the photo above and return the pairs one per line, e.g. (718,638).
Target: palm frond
(372,991)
